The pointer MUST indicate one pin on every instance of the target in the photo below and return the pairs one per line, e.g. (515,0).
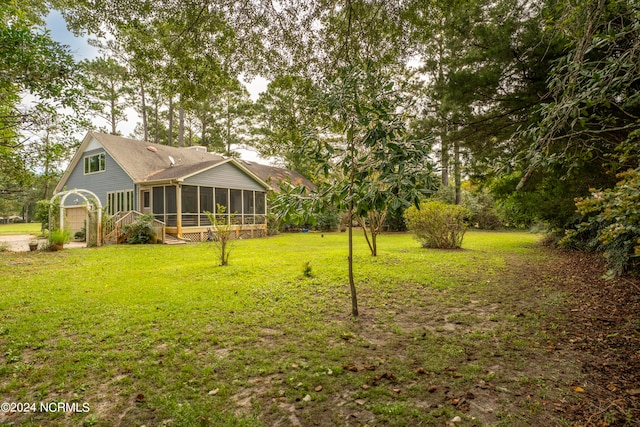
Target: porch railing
(113,228)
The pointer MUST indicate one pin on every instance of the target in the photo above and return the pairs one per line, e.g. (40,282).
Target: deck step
(173,240)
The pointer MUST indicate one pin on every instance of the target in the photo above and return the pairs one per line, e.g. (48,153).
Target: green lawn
(30,228)
(161,335)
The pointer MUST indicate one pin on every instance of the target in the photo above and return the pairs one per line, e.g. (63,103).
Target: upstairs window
(95,163)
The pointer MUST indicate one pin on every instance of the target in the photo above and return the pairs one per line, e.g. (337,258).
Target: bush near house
(437,225)
(141,231)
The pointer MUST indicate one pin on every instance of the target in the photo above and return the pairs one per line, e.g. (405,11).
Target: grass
(161,335)
(28,228)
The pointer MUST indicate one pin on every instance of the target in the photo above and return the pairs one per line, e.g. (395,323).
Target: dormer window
(95,163)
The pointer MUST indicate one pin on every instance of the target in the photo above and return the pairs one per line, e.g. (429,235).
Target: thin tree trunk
(113,117)
(363,224)
(228,127)
(157,135)
(46,167)
(145,123)
(352,285)
(170,137)
(456,172)
(444,144)
(181,124)
(444,158)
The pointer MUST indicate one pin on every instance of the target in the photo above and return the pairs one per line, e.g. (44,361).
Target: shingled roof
(149,162)
(272,175)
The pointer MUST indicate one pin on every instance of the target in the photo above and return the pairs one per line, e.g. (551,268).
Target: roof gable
(148,162)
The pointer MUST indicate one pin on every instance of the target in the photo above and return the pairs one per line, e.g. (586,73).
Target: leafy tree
(30,64)
(284,113)
(487,65)
(592,117)
(38,80)
(231,117)
(586,129)
(108,85)
(372,162)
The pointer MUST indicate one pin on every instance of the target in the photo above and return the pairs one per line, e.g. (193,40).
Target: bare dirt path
(17,242)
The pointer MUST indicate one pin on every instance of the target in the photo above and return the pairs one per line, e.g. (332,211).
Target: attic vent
(200,148)
(152,149)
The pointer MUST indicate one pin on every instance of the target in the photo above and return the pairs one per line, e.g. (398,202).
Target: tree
(284,113)
(371,161)
(222,232)
(31,64)
(108,85)
(231,117)
(593,117)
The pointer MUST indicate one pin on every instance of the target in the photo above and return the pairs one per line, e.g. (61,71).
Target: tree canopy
(536,102)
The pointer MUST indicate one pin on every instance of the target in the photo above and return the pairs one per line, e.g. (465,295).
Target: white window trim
(84,163)
(127,199)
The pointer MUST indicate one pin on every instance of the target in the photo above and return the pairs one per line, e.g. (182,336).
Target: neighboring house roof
(272,174)
(147,162)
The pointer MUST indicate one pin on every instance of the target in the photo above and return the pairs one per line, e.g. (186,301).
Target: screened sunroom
(183,209)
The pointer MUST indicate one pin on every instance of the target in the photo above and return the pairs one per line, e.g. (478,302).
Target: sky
(82,50)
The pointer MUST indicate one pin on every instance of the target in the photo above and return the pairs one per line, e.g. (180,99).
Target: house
(176,185)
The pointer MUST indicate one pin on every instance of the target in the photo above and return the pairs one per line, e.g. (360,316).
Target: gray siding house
(176,185)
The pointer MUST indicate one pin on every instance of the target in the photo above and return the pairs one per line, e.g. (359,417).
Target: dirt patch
(603,331)
(17,242)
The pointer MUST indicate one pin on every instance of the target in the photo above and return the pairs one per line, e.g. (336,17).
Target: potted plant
(57,238)
(33,245)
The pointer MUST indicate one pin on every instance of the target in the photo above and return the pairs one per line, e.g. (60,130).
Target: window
(158,200)
(146,199)
(119,201)
(206,204)
(171,206)
(95,163)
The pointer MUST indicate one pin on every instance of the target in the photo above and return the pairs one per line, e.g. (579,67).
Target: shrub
(43,208)
(437,224)
(59,237)
(222,232)
(307,269)
(274,225)
(141,231)
(611,223)
(328,220)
